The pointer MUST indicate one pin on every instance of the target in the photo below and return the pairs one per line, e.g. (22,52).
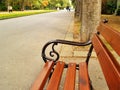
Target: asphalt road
(21,41)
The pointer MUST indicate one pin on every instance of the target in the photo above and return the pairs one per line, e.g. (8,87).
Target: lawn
(14,14)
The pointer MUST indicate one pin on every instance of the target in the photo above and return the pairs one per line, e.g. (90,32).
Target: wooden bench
(51,74)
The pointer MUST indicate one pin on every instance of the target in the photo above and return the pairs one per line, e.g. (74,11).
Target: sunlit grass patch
(14,14)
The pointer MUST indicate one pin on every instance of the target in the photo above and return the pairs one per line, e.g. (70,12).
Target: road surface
(21,41)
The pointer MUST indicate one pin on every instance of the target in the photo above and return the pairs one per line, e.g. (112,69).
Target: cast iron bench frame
(53,68)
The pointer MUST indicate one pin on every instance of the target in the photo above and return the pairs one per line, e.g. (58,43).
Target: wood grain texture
(56,76)
(111,72)
(111,35)
(70,77)
(43,76)
(84,83)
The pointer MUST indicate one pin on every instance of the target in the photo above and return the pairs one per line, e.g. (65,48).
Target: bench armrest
(53,54)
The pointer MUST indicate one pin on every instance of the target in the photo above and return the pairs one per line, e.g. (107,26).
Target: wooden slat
(84,83)
(70,77)
(56,76)
(111,35)
(110,71)
(43,76)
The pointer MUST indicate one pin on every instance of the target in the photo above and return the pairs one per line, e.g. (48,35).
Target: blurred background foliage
(108,6)
(33,4)
(111,7)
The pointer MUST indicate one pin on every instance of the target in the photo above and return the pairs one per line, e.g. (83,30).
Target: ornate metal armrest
(53,52)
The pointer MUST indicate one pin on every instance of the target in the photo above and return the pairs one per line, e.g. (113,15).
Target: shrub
(118,11)
(3,7)
(111,7)
(16,7)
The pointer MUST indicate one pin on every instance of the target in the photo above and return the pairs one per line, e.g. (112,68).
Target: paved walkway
(21,42)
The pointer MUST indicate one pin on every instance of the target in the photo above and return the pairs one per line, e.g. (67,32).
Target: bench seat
(55,79)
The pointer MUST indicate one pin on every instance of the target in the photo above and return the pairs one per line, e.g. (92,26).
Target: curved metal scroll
(54,52)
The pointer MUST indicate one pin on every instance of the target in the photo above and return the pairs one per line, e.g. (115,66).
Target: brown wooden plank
(111,35)
(70,77)
(56,76)
(84,83)
(110,71)
(43,76)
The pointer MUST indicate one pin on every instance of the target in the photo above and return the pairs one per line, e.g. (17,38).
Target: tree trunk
(91,13)
(77,9)
(118,4)
(22,5)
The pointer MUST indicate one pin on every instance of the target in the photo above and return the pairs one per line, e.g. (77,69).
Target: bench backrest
(110,66)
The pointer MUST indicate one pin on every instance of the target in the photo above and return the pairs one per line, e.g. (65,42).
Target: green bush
(3,7)
(16,7)
(36,7)
(118,12)
(27,8)
(110,7)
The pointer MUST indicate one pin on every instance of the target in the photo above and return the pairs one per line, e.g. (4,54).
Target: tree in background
(104,6)
(59,3)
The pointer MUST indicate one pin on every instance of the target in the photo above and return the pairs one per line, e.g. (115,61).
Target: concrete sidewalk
(70,54)
(70,51)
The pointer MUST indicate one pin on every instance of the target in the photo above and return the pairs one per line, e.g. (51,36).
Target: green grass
(14,14)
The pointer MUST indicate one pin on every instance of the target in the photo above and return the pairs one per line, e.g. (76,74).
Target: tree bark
(77,9)
(22,5)
(91,13)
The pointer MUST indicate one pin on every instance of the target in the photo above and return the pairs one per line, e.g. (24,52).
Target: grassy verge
(14,14)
